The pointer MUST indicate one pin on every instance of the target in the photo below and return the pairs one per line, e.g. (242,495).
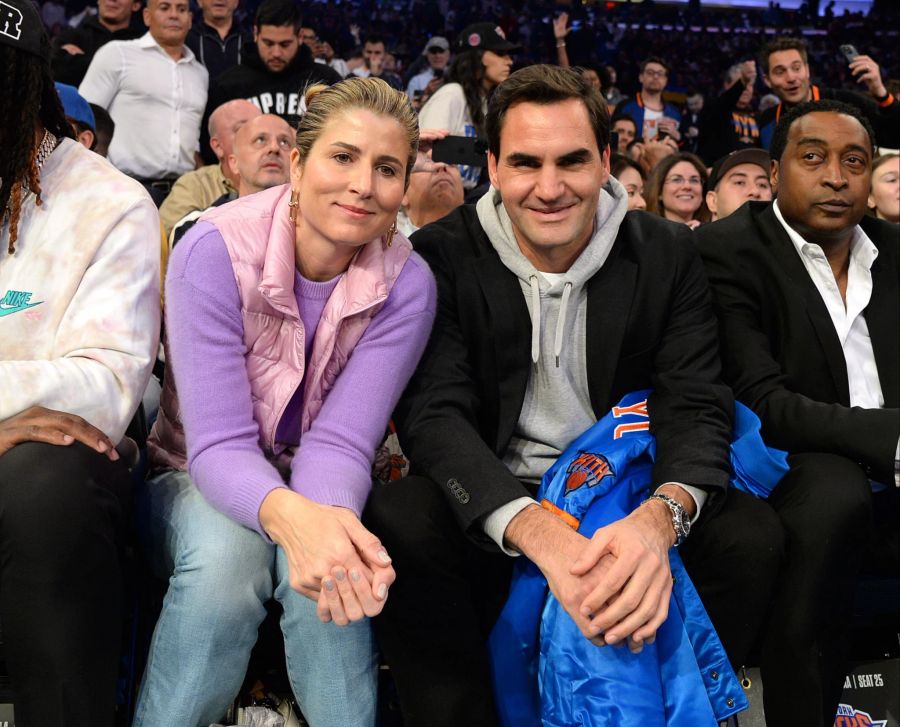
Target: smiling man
(785,66)
(807,296)
(553,302)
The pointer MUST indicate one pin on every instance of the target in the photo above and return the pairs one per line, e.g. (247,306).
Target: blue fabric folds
(545,672)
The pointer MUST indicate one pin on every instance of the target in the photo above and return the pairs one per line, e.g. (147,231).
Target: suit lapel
(509,334)
(775,236)
(610,294)
(881,320)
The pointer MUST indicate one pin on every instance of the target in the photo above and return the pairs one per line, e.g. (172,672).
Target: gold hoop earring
(293,204)
(391,232)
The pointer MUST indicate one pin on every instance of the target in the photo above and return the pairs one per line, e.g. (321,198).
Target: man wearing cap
(424,84)
(806,294)
(79,328)
(740,176)
(155,90)
(78,114)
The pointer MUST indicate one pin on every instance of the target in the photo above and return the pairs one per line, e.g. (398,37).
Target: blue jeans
(220,576)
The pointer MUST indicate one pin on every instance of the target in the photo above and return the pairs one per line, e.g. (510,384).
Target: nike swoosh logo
(16,308)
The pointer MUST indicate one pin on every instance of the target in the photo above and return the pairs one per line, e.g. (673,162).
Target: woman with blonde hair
(295,317)
(676,189)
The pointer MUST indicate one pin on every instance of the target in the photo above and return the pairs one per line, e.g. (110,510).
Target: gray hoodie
(557,404)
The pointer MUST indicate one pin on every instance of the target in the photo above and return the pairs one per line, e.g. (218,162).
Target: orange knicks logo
(589,469)
(847,716)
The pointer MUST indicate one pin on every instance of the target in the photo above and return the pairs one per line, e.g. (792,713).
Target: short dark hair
(545,84)
(623,117)
(374,39)
(655,59)
(779,44)
(279,13)
(104,126)
(620,162)
(780,137)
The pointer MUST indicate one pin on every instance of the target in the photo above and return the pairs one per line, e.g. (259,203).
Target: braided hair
(31,103)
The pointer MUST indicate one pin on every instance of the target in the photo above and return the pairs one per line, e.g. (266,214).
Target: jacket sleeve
(438,416)
(690,408)
(791,421)
(108,337)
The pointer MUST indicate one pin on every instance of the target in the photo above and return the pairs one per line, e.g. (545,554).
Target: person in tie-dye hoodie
(79,325)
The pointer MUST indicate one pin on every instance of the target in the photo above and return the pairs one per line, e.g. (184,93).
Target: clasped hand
(332,559)
(615,586)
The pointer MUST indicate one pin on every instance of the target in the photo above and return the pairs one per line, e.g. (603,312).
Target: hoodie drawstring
(535,319)
(561,322)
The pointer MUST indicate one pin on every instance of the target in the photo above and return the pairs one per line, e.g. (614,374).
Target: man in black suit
(553,302)
(806,290)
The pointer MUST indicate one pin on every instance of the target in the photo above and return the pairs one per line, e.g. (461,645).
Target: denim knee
(205,552)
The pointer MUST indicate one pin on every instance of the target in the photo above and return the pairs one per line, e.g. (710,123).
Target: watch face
(685,522)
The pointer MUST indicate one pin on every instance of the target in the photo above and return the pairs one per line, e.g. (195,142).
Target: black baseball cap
(759,157)
(487,36)
(21,27)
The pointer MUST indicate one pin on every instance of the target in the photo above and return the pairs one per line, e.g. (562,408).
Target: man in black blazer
(552,304)
(806,291)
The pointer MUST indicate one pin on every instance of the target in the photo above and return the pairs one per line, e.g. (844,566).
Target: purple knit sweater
(333,460)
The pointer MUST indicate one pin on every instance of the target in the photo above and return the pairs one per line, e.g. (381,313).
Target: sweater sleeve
(107,338)
(206,356)
(333,463)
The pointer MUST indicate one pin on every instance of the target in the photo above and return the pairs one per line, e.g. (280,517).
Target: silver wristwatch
(680,519)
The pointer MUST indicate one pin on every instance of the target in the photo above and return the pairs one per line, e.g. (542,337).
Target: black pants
(825,506)
(62,514)
(449,593)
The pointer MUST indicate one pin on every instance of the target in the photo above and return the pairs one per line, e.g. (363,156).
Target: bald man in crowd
(259,160)
(431,194)
(200,188)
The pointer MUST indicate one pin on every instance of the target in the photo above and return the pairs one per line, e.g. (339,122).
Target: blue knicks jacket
(545,672)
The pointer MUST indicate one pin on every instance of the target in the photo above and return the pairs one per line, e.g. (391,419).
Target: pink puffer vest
(259,237)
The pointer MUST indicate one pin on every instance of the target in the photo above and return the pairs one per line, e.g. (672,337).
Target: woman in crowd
(295,317)
(482,62)
(675,189)
(631,175)
(884,199)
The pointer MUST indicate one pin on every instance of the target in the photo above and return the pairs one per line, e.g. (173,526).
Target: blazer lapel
(509,333)
(775,236)
(610,295)
(881,320)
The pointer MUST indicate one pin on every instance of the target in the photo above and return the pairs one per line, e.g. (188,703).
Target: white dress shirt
(156,103)
(849,320)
